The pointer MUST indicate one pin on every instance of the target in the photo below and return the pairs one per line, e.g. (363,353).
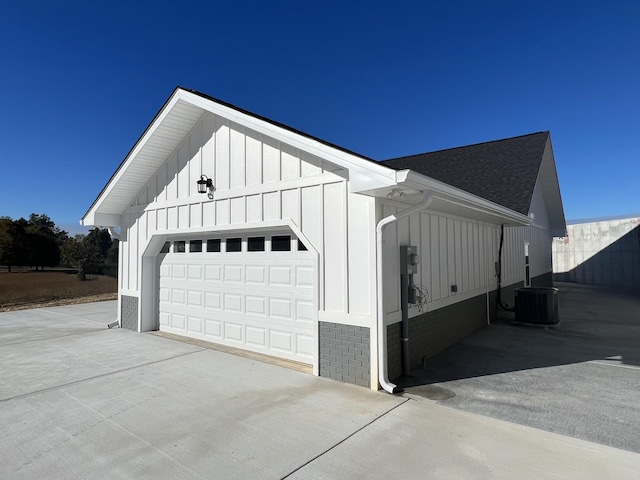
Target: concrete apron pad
(30,367)
(201,415)
(422,440)
(41,323)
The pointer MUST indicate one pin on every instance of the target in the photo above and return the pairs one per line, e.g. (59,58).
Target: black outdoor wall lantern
(205,185)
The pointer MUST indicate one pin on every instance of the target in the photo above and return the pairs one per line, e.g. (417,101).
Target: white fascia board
(96,219)
(375,174)
(447,193)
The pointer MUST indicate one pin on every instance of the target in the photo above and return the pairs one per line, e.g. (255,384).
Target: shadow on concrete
(595,324)
(573,378)
(616,266)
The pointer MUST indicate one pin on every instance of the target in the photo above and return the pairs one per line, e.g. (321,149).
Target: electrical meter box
(409,260)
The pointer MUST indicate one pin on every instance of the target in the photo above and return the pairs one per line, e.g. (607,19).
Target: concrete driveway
(580,379)
(79,401)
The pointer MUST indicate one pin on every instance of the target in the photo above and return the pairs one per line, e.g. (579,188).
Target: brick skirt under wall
(345,353)
(129,312)
(434,331)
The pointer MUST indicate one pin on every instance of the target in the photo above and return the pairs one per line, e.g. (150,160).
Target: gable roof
(184,109)
(503,171)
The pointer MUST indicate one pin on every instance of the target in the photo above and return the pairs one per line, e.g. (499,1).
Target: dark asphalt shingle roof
(502,171)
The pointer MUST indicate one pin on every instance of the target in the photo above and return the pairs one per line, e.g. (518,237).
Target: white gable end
(252,151)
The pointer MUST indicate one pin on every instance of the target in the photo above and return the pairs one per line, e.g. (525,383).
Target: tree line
(38,242)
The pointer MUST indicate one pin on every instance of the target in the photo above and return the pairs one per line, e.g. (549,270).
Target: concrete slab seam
(344,439)
(70,316)
(58,387)
(52,338)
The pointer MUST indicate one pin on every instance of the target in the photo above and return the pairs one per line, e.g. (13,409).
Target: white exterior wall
(259,182)
(453,251)
(539,237)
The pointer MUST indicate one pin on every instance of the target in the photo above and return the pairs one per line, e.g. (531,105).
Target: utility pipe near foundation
(383,368)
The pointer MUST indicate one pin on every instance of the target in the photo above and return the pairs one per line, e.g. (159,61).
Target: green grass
(20,287)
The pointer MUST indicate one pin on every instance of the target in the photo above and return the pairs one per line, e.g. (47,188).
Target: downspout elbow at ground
(383,367)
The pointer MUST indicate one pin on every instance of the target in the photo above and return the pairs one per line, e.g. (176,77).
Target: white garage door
(260,298)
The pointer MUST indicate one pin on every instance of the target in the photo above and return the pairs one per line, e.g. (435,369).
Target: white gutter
(383,368)
(455,196)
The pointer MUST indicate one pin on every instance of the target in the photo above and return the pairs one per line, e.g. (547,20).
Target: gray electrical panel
(409,260)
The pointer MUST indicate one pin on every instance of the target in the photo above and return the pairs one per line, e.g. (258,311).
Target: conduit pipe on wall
(383,367)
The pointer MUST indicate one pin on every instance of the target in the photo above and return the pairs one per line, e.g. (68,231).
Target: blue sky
(82,80)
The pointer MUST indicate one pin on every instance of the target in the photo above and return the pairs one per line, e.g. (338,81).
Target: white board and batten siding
(259,182)
(540,239)
(453,251)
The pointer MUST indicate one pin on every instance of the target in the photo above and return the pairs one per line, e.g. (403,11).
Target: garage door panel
(264,302)
(165,294)
(178,321)
(213,273)
(194,324)
(257,336)
(178,296)
(194,272)
(255,305)
(194,298)
(178,271)
(304,311)
(280,275)
(213,328)
(233,273)
(256,274)
(305,346)
(281,340)
(233,331)
(165,319)
(280,308)
(213,300)
(232,302)
(304,276)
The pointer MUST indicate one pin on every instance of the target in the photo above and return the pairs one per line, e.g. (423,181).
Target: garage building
(244,232)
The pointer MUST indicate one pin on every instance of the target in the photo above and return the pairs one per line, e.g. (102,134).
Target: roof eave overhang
(364,174)
(114,199)
(448,199)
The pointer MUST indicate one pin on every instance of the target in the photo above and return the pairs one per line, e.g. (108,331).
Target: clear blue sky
(81,80)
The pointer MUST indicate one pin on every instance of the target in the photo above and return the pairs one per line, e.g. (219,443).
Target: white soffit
(161,138)
(173,123)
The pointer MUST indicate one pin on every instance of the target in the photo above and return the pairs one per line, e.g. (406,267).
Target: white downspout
(383,368)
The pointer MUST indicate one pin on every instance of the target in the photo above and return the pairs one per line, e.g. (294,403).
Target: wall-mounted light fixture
(205,185)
